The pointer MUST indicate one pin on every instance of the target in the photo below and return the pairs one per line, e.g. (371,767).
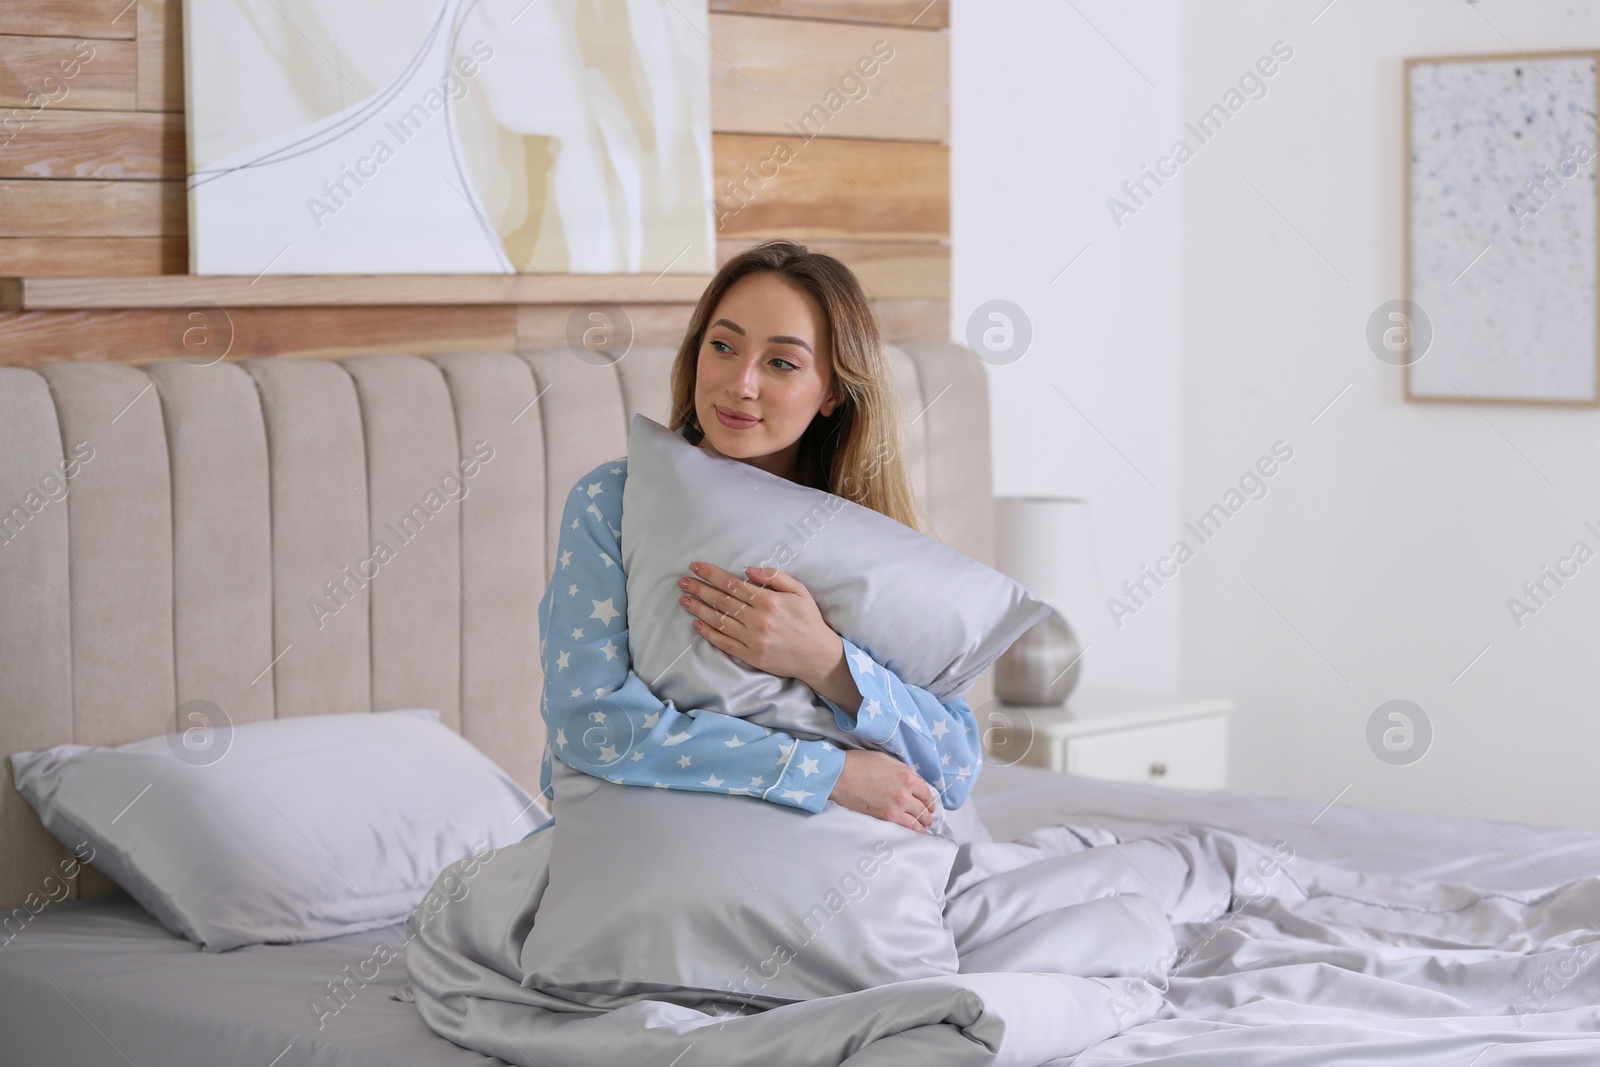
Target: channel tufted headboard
(173,533)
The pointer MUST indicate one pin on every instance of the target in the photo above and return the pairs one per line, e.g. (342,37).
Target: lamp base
(1041,667)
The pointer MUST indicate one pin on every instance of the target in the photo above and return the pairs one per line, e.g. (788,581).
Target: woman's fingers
(772,578)
(720,639)
(907,820)
(926,800)
(919,803)
(722,621)
(727,583)
(877,784)
(716,599)
(907,815)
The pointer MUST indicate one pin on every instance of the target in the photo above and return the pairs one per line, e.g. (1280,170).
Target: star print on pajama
(602,719)
(938,741)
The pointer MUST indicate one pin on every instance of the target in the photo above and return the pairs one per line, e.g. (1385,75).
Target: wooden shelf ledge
(348,290)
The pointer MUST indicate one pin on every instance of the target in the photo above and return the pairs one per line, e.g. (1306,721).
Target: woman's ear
(835,398)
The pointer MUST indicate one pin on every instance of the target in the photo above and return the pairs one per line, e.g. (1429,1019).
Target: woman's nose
(745,376)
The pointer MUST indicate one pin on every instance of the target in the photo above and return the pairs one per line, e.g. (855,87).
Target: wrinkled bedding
(466,969)
(1081,945)
(100,983)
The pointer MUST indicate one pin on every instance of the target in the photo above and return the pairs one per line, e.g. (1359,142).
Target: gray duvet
(470,975)
(1057,956)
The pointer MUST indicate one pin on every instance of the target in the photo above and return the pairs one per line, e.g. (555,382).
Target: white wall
(1049,119)
(1382,559)
(1379,563)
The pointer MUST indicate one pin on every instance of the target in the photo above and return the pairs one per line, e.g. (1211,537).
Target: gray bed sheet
(100,982)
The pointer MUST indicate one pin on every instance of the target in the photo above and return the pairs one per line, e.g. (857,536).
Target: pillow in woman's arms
(660,890)
(934,616)
(290,829)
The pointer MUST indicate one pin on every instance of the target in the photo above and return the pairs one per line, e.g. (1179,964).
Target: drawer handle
(1158,769)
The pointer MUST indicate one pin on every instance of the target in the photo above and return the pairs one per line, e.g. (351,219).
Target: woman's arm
(602,718)
(939,741)
(770,621)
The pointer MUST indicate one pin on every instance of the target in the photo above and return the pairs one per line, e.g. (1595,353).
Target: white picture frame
(1500,228)
(448,137)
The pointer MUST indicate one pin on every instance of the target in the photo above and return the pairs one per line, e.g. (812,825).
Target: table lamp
(1047,544)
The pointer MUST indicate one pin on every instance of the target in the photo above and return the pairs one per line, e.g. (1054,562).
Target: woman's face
(765,354)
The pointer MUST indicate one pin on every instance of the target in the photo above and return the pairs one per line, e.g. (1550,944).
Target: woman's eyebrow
(779,339)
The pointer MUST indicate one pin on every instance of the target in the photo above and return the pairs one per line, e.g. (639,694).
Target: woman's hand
(875,783)
(769,621)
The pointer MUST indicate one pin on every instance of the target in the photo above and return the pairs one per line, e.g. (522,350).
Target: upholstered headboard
(173,533)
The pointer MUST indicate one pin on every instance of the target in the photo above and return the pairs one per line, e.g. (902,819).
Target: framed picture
(1500,229)
(448,137)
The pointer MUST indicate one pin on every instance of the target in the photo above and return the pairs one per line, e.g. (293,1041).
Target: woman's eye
(790,366)
(724,344)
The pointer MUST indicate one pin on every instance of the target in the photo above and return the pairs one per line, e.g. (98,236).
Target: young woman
(782,368)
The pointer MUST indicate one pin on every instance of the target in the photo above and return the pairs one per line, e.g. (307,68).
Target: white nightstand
(1120,734)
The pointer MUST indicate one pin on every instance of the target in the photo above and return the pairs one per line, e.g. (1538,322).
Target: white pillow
(935,617)
(304,828)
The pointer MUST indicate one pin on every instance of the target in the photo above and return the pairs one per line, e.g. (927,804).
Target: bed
(220,498)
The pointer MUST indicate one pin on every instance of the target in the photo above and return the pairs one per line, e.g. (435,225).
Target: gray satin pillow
(296,829)
(654,890)
(934,616)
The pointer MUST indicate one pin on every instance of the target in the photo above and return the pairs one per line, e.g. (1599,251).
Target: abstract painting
(1501,202)
(448,136)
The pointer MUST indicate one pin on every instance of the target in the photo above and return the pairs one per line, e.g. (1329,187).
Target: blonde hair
(856,452)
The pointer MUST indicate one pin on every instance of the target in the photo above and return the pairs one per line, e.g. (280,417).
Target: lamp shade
(1046,544)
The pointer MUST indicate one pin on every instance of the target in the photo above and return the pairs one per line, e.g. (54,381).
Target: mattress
(100,982)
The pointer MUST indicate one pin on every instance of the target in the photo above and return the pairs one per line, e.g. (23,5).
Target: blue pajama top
(602,718)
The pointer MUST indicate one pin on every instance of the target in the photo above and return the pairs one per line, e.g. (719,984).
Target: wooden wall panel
(67,72)
(928,14)
(91,209)
(889,270)
(29,338)
(160,55)
(273,289)
(91,183)
(79,257)
(68,18)
(831,188)
(545,325)
(32,337)
(126,145)
(913,320)
(828,79)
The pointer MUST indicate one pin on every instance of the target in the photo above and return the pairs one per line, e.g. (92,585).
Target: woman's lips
(734,423)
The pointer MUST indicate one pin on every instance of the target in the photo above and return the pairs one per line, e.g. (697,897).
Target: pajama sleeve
(602,718)
(938,741)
